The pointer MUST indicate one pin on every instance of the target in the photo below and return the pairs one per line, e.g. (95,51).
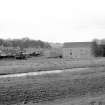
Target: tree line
(24,43)
(98,49)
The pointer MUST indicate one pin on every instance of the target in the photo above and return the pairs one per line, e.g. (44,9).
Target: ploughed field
(54,89)
(43,64)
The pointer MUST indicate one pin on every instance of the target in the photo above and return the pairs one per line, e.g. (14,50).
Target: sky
(53,20)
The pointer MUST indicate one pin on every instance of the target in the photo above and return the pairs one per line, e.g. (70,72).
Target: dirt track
(43,73)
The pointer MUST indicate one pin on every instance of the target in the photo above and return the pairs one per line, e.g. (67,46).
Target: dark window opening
(70,53)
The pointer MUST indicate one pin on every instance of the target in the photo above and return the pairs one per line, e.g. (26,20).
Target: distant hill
(24,43)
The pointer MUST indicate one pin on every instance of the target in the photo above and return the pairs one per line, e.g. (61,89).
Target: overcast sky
(53,20)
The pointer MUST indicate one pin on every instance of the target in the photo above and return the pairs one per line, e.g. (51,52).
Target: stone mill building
(77,50)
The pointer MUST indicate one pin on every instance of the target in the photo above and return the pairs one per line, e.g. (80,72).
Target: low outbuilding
(53,53)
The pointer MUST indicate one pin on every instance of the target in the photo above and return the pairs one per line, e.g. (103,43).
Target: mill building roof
(76,44)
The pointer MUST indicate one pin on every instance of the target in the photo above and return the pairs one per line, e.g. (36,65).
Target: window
(70,53)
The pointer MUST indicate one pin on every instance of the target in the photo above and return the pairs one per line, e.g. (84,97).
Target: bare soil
(87,100)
